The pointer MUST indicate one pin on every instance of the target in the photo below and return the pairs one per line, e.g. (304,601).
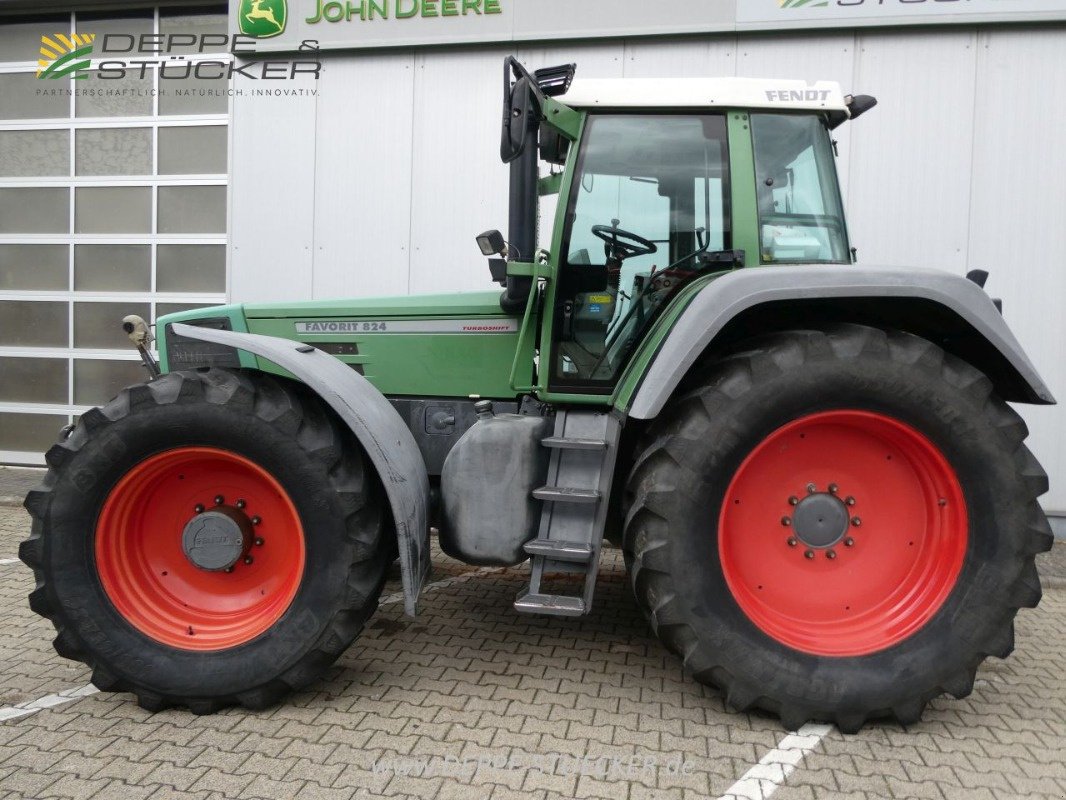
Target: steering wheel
(622,244)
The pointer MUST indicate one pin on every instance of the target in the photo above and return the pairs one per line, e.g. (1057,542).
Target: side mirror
(491,243)
(859,104)
(519,111)
(498,271)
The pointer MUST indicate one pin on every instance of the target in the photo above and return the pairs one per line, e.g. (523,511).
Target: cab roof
(690,93)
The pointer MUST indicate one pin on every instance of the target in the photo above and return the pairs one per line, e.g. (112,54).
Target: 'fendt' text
(797,95)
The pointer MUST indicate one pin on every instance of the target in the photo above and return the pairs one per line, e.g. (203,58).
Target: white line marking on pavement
(5,561)
(773,769)
(431,587)
(33,706)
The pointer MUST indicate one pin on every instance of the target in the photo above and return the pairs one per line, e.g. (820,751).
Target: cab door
(649,200)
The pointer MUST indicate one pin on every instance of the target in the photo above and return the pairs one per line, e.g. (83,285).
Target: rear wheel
(209,538)
(836,525)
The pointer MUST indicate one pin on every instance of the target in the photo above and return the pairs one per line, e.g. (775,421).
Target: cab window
(801,218)
(651,198)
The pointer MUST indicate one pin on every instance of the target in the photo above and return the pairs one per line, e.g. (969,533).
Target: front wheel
(837,525)
(211,538)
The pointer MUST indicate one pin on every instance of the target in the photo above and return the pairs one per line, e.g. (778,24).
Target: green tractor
(825,504)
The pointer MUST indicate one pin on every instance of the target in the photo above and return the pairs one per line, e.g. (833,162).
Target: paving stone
(472,701)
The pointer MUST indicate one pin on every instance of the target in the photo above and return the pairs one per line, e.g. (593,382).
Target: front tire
(210,538)
(836,525)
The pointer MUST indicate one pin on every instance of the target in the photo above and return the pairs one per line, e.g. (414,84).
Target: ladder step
(562,443)
(560,551)
(557,605)
(566,494)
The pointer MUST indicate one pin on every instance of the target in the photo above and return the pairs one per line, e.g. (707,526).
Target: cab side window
(801,217)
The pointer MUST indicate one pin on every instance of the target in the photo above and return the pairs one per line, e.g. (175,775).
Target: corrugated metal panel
(362,225)
(272,194)
(685,59)
(1016,224)
(910,181)
(458,186)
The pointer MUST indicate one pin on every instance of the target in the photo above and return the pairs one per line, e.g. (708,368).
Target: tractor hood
(455,344)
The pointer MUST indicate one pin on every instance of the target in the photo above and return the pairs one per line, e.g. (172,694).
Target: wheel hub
(215,540)
(820,520)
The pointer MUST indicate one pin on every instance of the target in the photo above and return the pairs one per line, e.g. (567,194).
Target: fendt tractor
(825,504)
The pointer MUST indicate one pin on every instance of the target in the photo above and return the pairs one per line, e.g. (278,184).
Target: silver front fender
(380,430)
(732,294)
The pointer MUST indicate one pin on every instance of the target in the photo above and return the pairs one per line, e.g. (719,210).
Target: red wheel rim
(158,589)
(903,545)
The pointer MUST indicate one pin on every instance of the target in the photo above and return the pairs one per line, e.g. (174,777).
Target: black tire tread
(647,539)
(278,403)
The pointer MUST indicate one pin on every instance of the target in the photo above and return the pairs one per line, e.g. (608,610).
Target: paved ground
(474,701)
(16,481)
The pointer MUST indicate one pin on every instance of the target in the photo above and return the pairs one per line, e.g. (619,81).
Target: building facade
(371,174)
(112,201)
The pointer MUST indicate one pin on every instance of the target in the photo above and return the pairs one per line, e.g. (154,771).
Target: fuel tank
(486,485)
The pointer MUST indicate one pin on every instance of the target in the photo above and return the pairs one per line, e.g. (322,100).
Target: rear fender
(380,430)
(901,294)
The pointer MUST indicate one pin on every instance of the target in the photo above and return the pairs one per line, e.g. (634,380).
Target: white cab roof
(705,92)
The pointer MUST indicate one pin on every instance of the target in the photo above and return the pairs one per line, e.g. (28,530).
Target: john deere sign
(262,19)
(354,24)
(370,10)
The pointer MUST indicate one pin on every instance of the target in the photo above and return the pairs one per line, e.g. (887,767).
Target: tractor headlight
(184,353)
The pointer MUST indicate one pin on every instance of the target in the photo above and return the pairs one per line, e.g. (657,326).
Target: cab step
(566,494)
(579,552)
(583,446)
(556,605)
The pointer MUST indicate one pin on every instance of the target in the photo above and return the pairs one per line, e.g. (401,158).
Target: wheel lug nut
(856,521)
(241,504)
(219,499)
(809,554)
(248,559)
(229,569)
(256,520)
(792,541)
(259,541)
(199,508)
(833,488)
(793,501)
(786,521)
(830,554)
(849,500)
(811,488)
(849,542)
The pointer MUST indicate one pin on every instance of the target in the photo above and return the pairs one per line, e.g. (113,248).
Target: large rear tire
(836,525)
(210,538)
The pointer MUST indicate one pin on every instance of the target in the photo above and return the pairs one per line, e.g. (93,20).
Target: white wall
(379,183)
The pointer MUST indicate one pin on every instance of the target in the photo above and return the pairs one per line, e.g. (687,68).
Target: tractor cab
(652,186)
